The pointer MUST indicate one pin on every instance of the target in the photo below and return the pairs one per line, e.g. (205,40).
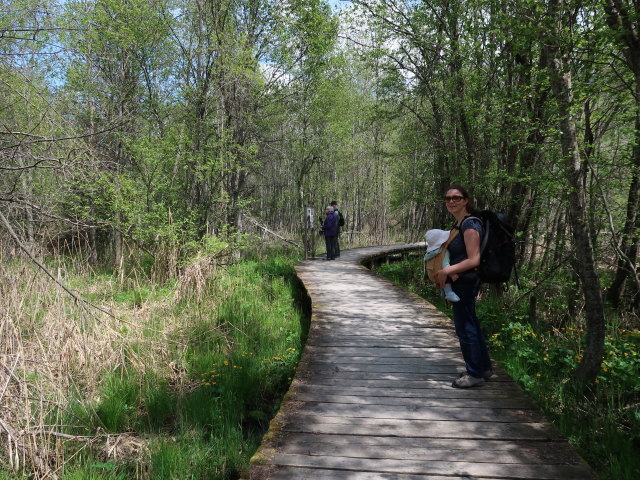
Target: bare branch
(258,224)
(78,299)
(60,139)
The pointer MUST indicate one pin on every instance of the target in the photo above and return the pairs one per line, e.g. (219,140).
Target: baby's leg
(445,263)
(449,294)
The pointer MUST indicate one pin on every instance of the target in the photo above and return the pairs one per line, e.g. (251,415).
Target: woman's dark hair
(471,205)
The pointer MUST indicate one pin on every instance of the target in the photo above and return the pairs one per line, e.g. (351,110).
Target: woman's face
(455,201)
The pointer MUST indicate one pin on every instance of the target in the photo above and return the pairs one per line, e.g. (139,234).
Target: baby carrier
(434,264)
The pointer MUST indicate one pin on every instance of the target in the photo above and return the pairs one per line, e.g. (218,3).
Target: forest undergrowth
(541,352)
(174,380)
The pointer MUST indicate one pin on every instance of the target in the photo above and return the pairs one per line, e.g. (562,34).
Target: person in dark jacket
(330,232)
(338,215)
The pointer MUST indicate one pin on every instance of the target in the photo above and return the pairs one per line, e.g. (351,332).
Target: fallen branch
(545,277)
(258,224)
(13,439)
(66,436)
(78,299)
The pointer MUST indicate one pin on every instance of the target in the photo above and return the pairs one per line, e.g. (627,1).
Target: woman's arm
(472,244)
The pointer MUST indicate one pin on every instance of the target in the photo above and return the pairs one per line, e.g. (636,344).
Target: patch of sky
(337,5)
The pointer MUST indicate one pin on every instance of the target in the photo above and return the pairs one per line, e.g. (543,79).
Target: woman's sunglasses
(453,198)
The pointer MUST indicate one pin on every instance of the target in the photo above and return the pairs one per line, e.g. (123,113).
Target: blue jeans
(472,342)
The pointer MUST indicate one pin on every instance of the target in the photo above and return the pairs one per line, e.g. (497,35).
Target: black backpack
(497,248)
(341,219)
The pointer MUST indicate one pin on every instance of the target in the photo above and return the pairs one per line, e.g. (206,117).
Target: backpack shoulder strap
(484,238)
(469,217)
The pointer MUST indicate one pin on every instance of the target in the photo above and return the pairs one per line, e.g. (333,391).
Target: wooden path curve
(372,397)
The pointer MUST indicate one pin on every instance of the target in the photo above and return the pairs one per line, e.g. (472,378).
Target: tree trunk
(629,236)
(625,25)
(560,77)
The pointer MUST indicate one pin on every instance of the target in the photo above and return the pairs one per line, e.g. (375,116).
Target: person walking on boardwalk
(338,214)
(330,232)
(464,253)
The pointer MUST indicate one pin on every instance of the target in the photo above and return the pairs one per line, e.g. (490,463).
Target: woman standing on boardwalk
(464,253)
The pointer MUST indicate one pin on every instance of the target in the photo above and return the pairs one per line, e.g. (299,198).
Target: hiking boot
(487,374)
(467,381)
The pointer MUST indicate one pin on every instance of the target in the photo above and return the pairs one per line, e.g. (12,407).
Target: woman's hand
(441,278)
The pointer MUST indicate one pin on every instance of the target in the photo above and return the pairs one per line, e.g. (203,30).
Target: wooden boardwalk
(372,398)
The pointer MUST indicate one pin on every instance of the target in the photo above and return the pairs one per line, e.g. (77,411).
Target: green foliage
(116,409)
(5,475)
(621,361)
(219,456)
(95,471)
(242,371)
(158,402)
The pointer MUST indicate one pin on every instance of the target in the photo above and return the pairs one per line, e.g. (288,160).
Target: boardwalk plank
(421,401)
(372,398)
(464,469)
(417,368)
(436,381)
(411,412)
(321,358)
(298,473)
(373,341)
(340,373)
(559,451)
(369,367)
(398,351)
(509,391)
(419,428)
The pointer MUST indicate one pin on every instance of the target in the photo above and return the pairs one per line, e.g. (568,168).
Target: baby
(435,238)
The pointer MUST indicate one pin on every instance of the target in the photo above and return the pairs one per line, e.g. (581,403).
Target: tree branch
(258,224)
(78,299)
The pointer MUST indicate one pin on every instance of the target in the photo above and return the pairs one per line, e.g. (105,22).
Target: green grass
(241,358)
(603,423)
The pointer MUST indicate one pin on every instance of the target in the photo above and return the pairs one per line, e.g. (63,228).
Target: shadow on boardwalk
(373,400)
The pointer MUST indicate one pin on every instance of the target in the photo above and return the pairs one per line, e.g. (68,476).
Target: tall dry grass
(55,349)
(108,382)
